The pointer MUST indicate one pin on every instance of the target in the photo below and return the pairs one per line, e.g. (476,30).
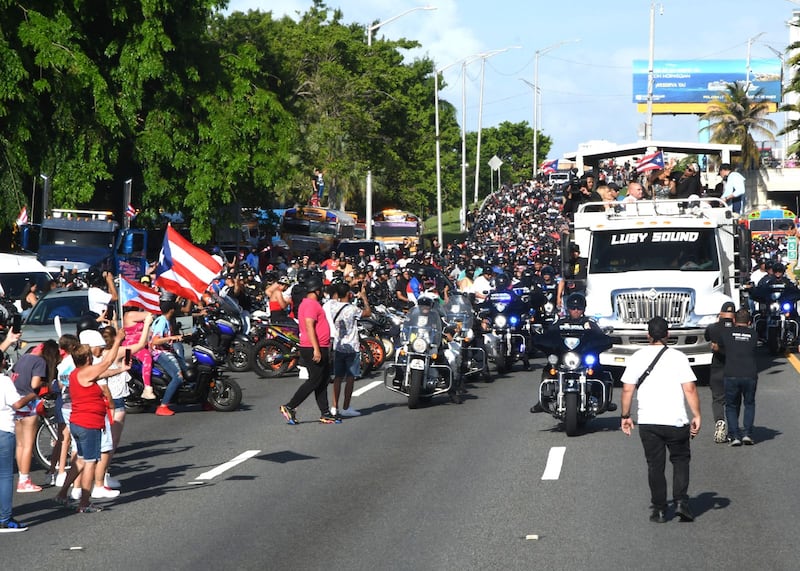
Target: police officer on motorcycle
(576,321)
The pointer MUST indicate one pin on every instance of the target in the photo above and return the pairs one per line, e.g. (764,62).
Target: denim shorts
(119,403)
(88,442)
(106,441)
(346,365)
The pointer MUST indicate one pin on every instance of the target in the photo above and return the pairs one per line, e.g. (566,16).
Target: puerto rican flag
(550,166)
(130,212)
(184,269)
(138,295)
(22,219)
(651,162)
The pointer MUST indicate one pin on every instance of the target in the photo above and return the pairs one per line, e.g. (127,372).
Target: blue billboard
(701,81)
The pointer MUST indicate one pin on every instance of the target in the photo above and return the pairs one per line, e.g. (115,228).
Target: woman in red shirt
(89,409)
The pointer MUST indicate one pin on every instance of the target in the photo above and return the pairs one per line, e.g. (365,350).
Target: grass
(451,227)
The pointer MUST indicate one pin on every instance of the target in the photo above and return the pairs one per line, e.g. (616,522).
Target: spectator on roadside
(29,298)
(741,378)
(10,402)
(102,294)
(665,383)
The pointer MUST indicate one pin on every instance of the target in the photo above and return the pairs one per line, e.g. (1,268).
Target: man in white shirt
(733,192)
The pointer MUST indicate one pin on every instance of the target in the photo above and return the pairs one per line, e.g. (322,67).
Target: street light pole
(537,100)
(749,70)
(533,88)
(370,29)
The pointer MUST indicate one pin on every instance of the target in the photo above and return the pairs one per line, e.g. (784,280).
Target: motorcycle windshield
(556,341)
(458,311)
(425,323)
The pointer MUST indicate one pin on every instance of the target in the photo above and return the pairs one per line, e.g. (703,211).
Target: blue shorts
(87,441)
(119,403)
(346,365)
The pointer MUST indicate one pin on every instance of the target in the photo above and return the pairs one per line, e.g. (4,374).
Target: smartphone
(127,356)
(16,326)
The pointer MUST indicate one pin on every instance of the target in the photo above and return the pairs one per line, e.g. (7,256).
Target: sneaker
(720,432)
(347,412)
(334,411)
(90,509)
(51,479)
(27,487)
(736,442)
(747,441)
(164,410)
(148,393)
(12,526)
(103,493)
(75,493)
(60,479)
(112,483)
(65,502)
(289,414)
(328,418)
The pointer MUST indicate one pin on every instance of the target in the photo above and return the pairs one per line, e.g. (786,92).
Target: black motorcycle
(224,329)
(573,388)
(777,321)
(203,383)
(506,328)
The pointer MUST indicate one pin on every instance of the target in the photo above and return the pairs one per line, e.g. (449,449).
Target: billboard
(689,85)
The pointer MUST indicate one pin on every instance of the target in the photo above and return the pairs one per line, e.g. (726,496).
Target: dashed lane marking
(555,459)
(369,387)
(227,465)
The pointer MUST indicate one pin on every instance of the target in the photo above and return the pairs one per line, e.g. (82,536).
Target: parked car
(68,304)
(16,271)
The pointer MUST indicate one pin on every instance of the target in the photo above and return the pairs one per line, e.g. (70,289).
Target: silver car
(69,305)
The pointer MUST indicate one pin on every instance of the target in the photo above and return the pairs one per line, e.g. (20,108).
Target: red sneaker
(164,410)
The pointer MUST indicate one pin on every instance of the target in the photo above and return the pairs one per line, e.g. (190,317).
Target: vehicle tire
(501,363)
(43,445)
(240,357)
(415,388)
(378,352)
(773,340)
(225,395)
(268,358)
(388,348)
(366,359)
(571,414)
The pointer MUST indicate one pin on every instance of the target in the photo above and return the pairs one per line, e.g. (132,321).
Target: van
(16,271)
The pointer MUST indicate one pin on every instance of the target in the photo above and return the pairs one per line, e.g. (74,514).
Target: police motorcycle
(465,357)
(548,308)
(203,383)
(777,319)
(506,332)
(420,370)
(573,388)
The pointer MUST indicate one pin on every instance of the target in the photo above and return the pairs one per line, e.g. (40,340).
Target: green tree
(736,118)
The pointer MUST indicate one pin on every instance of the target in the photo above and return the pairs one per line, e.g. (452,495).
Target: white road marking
(554,461)
(369,387)
(227,465)
(531,536)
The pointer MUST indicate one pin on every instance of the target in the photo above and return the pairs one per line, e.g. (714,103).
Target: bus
(771,222)
(311,228)
(396,227)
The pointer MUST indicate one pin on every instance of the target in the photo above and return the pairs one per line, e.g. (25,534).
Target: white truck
(671,258)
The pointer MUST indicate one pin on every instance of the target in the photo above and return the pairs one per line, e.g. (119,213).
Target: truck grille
(638,307)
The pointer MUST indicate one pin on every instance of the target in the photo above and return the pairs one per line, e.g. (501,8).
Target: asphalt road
(442,487)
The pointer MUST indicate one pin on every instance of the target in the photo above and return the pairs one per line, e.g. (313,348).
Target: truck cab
(671,258)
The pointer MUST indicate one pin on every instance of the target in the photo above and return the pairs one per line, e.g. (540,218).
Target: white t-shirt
(98,300)
(344,333)
(660,396)
(8,396)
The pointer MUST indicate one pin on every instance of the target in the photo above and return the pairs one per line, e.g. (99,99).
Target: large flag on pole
(550,166)
(132,294)
(651,162)
(183,268)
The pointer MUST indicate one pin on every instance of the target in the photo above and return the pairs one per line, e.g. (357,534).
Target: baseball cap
(657,328)
(91,338)
(728,307)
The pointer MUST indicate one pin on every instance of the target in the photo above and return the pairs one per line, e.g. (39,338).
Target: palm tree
(736,117)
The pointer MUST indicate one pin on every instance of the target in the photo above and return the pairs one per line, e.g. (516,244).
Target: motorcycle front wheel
(571,414)
(367,361)
(774,340)
(240,357)
(225,395)
(269,358)
(415,388)
(377,350)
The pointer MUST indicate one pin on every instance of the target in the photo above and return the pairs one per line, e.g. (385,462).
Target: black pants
(318,379)
(656,439)
(716,382)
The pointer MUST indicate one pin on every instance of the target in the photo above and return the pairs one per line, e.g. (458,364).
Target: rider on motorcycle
(576,321)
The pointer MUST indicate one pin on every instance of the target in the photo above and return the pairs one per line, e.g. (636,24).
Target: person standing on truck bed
(733,192)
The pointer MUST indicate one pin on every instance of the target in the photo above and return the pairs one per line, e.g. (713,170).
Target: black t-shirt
(714,334)
(739,343)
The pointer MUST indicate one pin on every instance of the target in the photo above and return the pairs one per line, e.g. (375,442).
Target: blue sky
(585,86)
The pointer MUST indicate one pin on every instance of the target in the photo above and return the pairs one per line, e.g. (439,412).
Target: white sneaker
(104,493)
(349,412)
(148,393)
(75,493)
(334,410)
(112,483)
(60,478)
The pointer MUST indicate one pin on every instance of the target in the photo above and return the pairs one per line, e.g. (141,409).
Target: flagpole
(119,301)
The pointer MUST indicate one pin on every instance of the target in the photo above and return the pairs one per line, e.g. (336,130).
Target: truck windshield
(51,236)
(616,251)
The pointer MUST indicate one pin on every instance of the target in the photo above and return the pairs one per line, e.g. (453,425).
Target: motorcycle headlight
(776,307)
(500,321)
(571,360)
(419,345)
(552,360)
(787,306)
(548,307)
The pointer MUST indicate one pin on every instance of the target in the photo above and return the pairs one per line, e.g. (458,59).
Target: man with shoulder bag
(666,384)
